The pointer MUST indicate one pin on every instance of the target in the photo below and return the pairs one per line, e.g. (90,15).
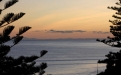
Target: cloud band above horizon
(70,31)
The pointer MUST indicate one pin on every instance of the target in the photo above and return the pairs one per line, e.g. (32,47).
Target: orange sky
(63,18)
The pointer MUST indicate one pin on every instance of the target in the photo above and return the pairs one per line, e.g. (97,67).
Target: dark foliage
(113,59)
(22,65)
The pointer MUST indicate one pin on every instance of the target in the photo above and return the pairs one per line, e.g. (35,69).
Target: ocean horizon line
(62,38)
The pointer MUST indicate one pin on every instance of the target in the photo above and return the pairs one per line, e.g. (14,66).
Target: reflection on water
(76,69)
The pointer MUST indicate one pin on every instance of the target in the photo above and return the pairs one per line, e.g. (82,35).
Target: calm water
(66,57)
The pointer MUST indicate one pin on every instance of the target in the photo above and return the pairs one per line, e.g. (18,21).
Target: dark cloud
(37,31)
(64,31)
(100,32)
(70,31)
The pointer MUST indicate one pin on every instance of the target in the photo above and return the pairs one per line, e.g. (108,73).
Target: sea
(66,56)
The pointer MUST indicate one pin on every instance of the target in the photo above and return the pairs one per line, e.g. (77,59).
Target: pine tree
(23,65)
(113,59)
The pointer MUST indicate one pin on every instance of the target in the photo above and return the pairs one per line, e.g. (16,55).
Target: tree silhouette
(23,65)
(113,59)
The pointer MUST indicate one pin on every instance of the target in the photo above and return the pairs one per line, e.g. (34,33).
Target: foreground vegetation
(113,59)
(23,65)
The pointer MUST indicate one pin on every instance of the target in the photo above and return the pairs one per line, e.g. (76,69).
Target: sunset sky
(52,19)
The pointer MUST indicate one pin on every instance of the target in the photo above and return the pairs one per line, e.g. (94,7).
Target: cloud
(64,31)
(100,32)
(37,31)
(69,31)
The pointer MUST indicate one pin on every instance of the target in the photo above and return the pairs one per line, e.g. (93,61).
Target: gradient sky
(63,18)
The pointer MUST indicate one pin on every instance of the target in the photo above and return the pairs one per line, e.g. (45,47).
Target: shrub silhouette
(113,59)
(22,65)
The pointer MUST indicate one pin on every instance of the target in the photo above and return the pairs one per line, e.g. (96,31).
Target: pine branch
(7,17)
(4,39)
(30,59)
(11,17)
(115,22)
(118,13)
(6,48)
(1,23)
(116,34)
(23,30)
(17,39)
(43,52)
(0,11)
(115,28)
(114,8)
(7,30)
(118,3)
(41,72)
(17,16)
(0,0)
(43,66)
(35,69)
(32,64)
(117,17)
(4,25)
(10,3)
(19,61)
